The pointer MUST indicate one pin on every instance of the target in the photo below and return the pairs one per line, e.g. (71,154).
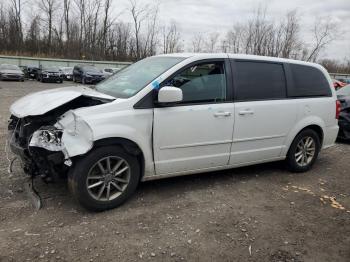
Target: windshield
(51,68)
(91,69)
(9,67)
(133,78)
(344,91)
(67,69)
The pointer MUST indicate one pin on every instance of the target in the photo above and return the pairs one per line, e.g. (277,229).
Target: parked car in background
(107,72)
(172,115)
(67,73)
(32,72)
(343,95)
(116,69)
(24,69)
(50,74)
(87,74)
(338,84)
(344,80)
(11,72)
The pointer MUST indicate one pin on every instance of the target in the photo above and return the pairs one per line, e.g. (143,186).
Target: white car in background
(107,72)
(173,115)
(67,73)
(11,72)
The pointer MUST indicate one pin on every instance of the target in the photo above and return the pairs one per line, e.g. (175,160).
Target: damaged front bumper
(48,151)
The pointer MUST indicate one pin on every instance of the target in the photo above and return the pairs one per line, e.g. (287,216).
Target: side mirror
(169,94)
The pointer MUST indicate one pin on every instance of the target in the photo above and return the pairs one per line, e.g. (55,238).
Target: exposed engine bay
(37,139)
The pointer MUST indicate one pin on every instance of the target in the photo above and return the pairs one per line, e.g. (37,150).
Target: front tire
(105,178)
(303,151)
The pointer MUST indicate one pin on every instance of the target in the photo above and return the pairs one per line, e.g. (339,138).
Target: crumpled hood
(41,102)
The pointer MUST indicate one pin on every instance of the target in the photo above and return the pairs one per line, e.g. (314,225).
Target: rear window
(308,81)
(259,81)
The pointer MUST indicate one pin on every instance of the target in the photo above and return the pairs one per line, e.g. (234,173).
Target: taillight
(337,109)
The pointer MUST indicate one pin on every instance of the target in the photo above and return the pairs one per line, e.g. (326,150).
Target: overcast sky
(205,16)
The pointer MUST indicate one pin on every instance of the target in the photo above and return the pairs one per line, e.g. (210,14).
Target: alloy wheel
(108,178)
(305,151)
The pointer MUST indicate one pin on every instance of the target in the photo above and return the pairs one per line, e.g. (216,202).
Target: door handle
(219,114)
(246,112)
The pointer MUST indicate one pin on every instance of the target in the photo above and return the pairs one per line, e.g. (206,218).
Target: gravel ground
(257,213)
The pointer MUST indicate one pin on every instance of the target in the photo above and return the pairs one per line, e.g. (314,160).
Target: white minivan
(172,115)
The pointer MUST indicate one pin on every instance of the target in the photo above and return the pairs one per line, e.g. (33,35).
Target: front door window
(201,83)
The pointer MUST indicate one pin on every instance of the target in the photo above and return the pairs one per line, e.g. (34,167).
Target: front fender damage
(71,135)
(77,136)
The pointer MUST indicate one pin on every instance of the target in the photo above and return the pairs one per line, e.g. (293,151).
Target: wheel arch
(315,124)
(128,145)
(317,129)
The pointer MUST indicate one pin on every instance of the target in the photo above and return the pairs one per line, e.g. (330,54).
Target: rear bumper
(330,135)
(344,129)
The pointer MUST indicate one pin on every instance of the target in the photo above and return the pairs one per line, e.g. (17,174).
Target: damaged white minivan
(172,115)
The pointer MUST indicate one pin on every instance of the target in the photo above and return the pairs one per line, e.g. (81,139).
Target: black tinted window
(205,82)
(308,81)
(259,81)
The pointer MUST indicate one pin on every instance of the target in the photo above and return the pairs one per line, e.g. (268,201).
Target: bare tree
(81,6)
(48,7)
(211,42)
(16,6)
(171,38)
(106,24)
(324,32)
(151,35)
(290,41)
(197,43)
(334,66)
(33,35)
(90,29)
(234,39)
(139,15)
(66,15)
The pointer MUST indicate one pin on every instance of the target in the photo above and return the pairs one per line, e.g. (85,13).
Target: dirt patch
(257,213)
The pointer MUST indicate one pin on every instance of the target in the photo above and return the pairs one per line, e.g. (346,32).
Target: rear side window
(259,81)
(308,81)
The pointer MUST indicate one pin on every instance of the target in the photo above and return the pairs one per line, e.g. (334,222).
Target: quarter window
(205,82)
(259,81)
(308,81)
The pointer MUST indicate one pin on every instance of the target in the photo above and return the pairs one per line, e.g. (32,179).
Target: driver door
(195,134)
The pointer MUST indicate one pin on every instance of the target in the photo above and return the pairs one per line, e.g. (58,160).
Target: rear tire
(303,151)
(96,185)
